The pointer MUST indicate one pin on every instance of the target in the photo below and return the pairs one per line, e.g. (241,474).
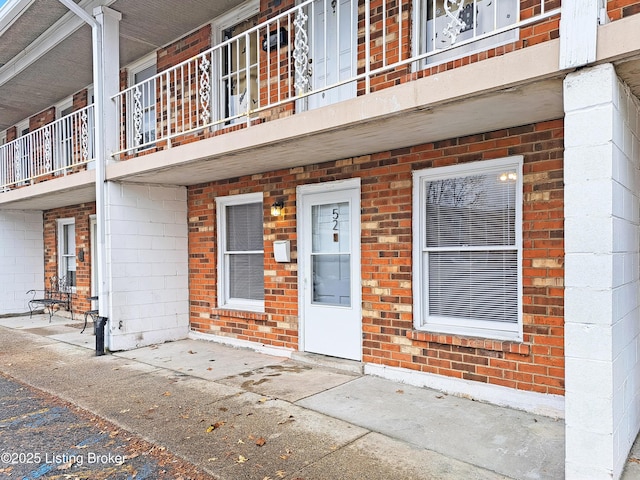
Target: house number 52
(335,217)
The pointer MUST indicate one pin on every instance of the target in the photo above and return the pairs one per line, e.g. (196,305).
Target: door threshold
(343,364)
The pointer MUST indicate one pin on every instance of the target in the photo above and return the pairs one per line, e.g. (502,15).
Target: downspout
(100,160)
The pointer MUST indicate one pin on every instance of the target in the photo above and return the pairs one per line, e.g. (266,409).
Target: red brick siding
(42,118)
(83,269)
(390,339)
(80,100)
(617,9)
(12,134)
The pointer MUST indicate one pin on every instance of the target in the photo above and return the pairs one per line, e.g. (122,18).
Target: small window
(67,250)
(468,249)
(142,104)
(450,27)
(241,252)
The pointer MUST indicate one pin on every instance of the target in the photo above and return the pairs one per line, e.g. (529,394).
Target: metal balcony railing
(316,53)
(55,149)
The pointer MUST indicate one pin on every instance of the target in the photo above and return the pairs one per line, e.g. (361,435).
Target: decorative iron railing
(55,149)
(318,52)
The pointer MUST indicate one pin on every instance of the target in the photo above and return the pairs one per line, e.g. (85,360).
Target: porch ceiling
(34,70)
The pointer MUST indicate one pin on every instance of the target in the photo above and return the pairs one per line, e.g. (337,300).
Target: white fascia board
(11,11)
(54,35)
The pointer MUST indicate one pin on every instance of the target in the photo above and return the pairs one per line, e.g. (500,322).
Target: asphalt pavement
(238,414)
(43,437)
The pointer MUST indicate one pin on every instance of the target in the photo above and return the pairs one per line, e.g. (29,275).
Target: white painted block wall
(21,258)
(602,270)
(147,258)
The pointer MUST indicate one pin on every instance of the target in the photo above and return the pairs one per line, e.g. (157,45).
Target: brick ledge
(471,342)
(216,313)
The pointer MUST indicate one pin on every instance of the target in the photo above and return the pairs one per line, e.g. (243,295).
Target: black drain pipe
(102,322)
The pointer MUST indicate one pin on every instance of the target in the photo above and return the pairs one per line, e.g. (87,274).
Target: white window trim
(139,65)
(62,106)
(61,222)
(493,330)
(21,126)
(218,26)
(133,69)
(223,300)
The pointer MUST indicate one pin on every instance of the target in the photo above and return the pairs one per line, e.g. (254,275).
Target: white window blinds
(244,251)
(470,245)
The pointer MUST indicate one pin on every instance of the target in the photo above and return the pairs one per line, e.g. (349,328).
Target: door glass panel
(331,256)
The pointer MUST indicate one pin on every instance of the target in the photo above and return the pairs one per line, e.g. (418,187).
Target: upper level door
(332,57)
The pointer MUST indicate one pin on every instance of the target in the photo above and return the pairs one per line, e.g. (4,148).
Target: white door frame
(326,187)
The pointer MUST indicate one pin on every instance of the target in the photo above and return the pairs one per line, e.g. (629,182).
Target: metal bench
(93,313)
(58,294)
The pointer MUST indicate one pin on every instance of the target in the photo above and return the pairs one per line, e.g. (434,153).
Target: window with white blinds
(67,250)
(241,252)
(469,259)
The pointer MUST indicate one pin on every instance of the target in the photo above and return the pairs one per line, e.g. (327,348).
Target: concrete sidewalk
(238,414)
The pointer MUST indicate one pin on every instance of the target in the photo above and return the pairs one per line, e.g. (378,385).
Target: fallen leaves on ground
(213,426)
(261,441)
(241,459)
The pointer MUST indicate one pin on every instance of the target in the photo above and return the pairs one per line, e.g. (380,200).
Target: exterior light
(277,208)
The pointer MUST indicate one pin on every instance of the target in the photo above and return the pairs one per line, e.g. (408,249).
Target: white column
(148,257)
(106,74)
(21,258)
(578,32)
(602,235)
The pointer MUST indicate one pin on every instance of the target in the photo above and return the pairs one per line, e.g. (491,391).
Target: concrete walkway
(238,414)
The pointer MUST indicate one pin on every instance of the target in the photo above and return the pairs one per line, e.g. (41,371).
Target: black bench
(93,313)
(58,294)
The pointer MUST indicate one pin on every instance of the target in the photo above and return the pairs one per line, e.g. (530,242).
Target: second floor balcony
(56,149)
(316,54)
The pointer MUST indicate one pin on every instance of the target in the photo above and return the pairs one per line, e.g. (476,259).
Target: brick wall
(536,364)
(42,118)
(83,268)
(80,100)
(618,9)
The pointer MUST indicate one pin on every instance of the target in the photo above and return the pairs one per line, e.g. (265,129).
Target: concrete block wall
(602,332)
(146,242)
(21,258)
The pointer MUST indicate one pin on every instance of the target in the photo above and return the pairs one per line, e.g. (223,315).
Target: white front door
(329,257)
(333,50)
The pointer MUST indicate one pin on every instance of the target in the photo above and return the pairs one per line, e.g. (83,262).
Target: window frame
(458,326)
(134,69)
(221,102)
(62,223)
(224,298)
